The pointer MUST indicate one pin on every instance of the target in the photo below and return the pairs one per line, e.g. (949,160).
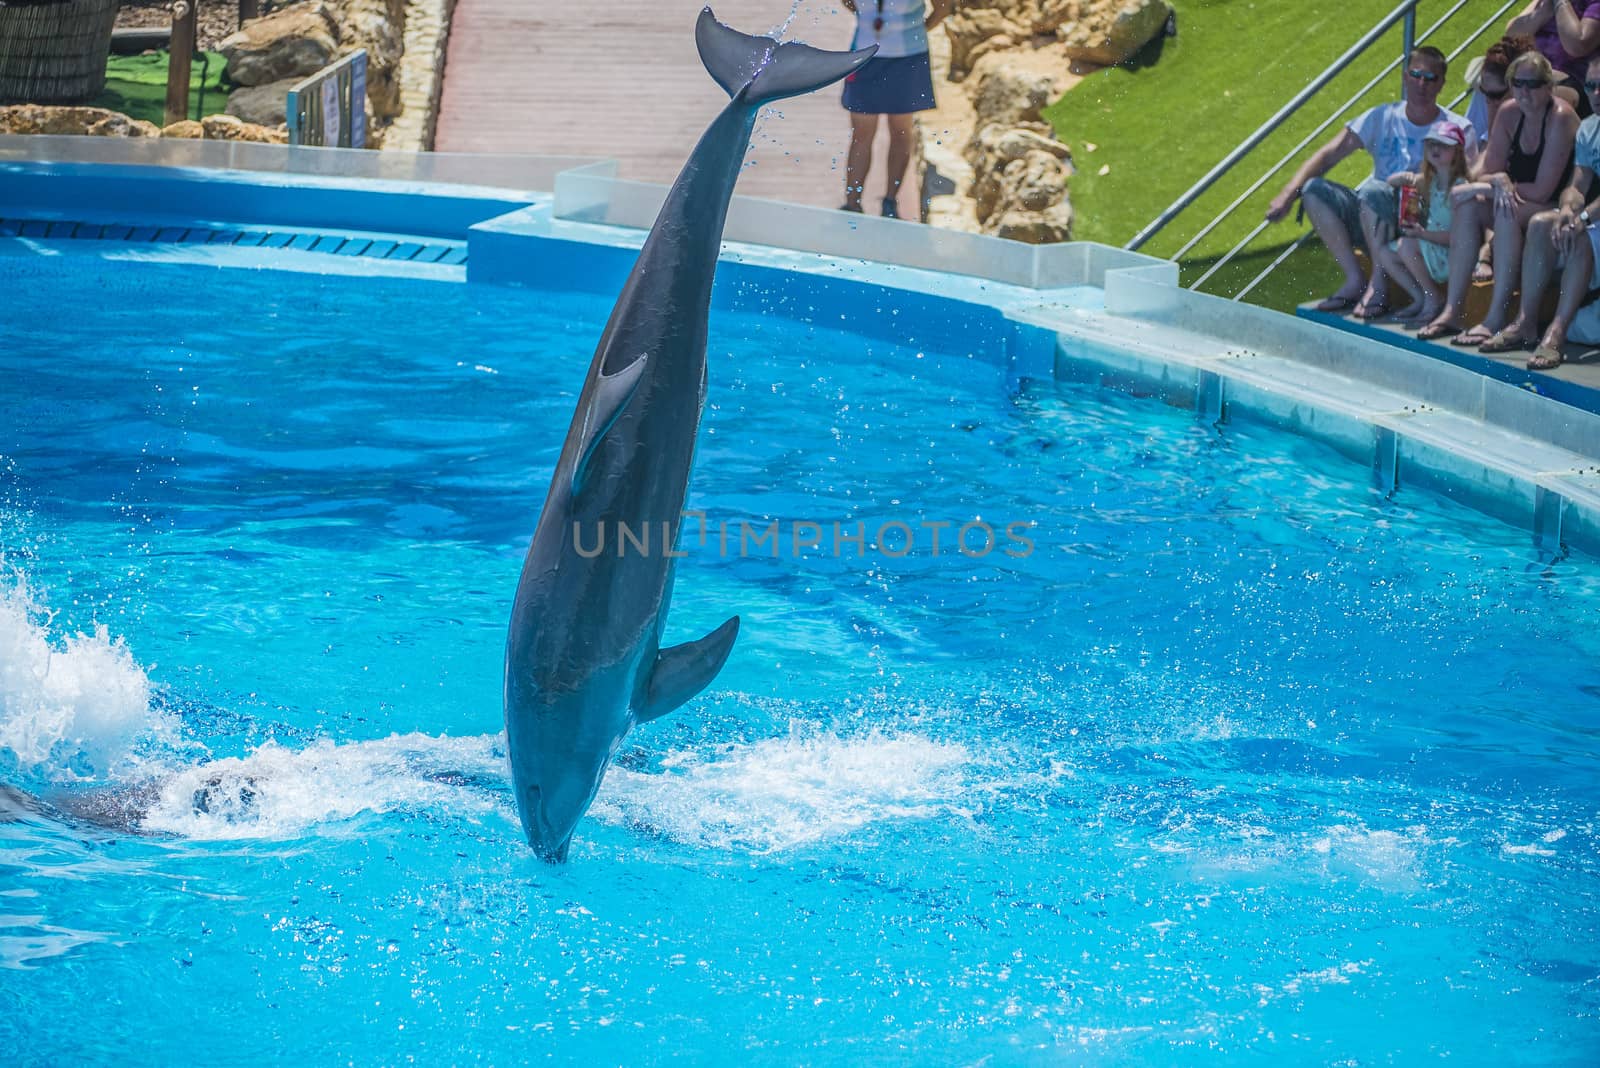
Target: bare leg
(1574,288)
(1538,264)
(900,135)
(1416,267)
(863,128)
(1466,231)
(1330,228)
(1507,268)
(1376,297)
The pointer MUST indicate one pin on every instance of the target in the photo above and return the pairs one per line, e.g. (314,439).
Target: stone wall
(988,161)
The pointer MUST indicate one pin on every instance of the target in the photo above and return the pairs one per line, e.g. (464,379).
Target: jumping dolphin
(583,655)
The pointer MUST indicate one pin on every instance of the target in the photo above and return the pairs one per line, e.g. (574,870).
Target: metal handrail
(1294,152)
(1407,11)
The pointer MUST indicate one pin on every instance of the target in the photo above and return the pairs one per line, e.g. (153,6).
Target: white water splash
(280,793)
(781,793)
(71,707)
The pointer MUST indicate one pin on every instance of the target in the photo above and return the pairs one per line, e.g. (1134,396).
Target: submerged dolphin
(583,656)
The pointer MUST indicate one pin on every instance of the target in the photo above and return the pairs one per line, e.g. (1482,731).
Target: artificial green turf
(1163,120)
(137,87)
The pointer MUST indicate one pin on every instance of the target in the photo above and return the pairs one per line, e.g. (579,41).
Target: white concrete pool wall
(1077,312)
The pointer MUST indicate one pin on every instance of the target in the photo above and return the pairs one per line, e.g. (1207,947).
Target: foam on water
(70,707)
(277,792)
(782,793)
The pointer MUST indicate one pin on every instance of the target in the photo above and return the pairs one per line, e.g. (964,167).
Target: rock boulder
(1112,31)
(291,42)
(263,105)
(231,128)
(97,122)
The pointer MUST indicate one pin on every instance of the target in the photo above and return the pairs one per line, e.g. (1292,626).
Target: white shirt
(1395,141)
(904,32)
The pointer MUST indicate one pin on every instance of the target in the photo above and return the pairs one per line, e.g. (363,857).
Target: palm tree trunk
(55,54)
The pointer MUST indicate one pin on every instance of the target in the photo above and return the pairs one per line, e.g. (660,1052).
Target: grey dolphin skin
(583,655)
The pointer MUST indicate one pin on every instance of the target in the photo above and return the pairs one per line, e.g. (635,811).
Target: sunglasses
(1423,75)
(1593,87)
(1529,83)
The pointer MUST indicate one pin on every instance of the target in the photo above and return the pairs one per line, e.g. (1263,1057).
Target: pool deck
(1575,383)
(508,88)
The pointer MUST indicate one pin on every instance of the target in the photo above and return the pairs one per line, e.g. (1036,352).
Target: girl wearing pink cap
(1424,243)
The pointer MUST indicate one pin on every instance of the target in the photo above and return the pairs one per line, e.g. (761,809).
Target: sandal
(1335,305)
(1375,310)
(1471,339)
(1437,332)
(891,210)
(1501,341)
(1545,358)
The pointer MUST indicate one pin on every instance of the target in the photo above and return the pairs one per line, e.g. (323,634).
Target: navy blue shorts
(896,85)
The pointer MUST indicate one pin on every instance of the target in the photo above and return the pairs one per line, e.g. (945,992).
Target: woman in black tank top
(1516,181)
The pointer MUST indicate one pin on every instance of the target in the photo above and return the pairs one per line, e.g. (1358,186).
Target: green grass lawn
(137,87)
(1163,120)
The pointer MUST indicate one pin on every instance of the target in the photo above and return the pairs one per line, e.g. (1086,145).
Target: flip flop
(1545,358)
(1472,338)
(1370,311)
(1504,342)
(1437,332)
(1335,305)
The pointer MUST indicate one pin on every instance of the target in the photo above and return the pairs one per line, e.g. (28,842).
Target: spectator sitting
(1518,181)
(1425,238)
(1392,134)
(1567,32)
(1564,238)
(1487,77)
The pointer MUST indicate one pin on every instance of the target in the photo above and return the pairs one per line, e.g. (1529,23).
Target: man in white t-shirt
(1368,214)
(1568,238)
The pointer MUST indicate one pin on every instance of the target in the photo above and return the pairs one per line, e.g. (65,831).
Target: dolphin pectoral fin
(612,394)
(772,71)
(685,670)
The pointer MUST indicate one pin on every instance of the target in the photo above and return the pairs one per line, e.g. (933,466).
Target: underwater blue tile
(142,233)
(304,241)
(10,227)
(35,228)
(61,229)
(171,233)
(381,249)
(251,238)
(224,237)
(276,240)
(354,247)
(455,256)
(115,232)
(405,251)
(198,237)
(328,243)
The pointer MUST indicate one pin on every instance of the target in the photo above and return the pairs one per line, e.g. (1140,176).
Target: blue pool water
(1241,760)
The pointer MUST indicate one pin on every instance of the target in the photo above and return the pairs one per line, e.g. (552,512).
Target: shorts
(892,85)
(1585,327)
(1381,197)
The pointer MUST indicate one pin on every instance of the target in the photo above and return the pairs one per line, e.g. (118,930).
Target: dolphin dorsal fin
(611,395)
(685,670)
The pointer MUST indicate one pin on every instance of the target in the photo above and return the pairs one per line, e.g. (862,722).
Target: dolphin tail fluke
(765,70)
(685,670)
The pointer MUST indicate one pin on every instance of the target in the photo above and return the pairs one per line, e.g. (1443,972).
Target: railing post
(179,60)
(1409,37)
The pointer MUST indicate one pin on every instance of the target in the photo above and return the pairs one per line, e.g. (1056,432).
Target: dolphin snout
(549,835)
